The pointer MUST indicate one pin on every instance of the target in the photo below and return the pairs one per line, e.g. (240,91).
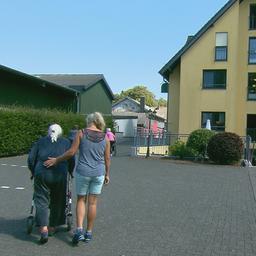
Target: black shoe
(44,238)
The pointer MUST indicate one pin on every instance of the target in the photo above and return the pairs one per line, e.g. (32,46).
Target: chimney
(142,104)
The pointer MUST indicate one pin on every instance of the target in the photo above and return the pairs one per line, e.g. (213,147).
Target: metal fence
(157,143)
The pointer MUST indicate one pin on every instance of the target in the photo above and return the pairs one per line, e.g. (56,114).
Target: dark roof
(168,67)
(78,82)
(130,99)
(37,80)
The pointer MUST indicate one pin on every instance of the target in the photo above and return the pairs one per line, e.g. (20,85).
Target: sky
(126,41)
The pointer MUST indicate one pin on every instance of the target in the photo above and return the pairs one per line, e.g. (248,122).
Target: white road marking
(19,188)
(15,165)
(4,187)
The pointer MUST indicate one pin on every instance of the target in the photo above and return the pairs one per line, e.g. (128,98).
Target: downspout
(77,103)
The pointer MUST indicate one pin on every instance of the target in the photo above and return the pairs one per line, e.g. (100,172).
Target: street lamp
(151,115)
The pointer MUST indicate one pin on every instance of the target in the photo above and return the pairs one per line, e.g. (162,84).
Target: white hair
(54,131)
(97,119)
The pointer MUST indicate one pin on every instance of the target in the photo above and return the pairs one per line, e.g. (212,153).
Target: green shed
(17,88)
(94,91)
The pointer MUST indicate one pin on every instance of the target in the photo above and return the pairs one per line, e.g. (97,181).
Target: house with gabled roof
(213,76)
(131,116)
(94,93)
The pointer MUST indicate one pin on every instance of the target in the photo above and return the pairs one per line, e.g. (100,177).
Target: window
(251,126)
(252,86)
(214,79)
(252,50)
(221,46)
(217,120)
(252,18)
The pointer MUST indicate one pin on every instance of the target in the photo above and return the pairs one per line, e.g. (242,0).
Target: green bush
(225,148)
(180,150)
(199,139)
(20,127)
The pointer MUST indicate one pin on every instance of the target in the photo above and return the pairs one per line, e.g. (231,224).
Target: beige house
(213,76)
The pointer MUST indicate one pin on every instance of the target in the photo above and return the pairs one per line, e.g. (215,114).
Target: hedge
(21,126)
(225,148)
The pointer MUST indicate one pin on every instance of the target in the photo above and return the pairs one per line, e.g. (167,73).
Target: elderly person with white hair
(50,183)
(92,171)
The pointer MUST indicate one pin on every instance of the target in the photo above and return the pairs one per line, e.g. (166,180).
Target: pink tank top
(110,136)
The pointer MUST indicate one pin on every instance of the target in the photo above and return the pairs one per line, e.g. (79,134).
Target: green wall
(96,98)
(23,91)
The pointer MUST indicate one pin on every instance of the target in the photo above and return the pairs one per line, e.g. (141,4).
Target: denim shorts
(89,185)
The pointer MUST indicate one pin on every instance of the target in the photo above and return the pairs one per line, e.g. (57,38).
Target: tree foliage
(137,92)
(162,102)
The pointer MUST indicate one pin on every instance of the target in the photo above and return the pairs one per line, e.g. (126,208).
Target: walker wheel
(30,223)
(69,222)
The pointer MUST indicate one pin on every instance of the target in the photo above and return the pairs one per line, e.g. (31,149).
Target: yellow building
(213,76)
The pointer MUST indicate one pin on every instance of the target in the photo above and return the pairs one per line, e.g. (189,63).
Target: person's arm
(107,162)
(67,155)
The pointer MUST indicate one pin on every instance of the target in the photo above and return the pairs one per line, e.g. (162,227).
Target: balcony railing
(252,22)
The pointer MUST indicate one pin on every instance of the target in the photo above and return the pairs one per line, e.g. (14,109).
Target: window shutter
(222,39)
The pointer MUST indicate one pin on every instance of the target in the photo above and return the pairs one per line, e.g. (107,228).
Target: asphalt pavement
(151,207)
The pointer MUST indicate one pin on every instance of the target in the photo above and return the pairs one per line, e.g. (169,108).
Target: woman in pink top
(112,139)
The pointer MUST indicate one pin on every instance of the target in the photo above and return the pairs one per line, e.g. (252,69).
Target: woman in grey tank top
(92,171)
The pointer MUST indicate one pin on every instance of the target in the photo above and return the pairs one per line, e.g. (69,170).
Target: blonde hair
(97,119)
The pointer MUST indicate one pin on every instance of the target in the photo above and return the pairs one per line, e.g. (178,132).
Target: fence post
(247,152)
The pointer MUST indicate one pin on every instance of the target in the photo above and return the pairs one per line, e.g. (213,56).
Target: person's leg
(41,199)
(92,211)
(94,190)
(82,184)
(57,200)
(80,211)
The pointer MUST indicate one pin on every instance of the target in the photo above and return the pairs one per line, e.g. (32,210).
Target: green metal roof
(38,81)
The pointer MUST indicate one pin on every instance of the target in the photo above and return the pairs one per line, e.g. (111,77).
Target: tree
(162,102)
(136,93)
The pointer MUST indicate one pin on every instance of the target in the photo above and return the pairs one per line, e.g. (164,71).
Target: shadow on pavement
(17,229)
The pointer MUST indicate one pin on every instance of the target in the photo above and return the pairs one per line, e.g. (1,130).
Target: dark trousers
(50,193)
(112,146)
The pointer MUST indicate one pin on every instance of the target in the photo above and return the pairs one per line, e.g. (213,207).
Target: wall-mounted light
(164,86)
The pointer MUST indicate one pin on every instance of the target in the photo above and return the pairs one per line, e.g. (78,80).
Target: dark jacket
(45,148)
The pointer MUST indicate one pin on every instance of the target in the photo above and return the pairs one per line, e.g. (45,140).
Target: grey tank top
(92,147)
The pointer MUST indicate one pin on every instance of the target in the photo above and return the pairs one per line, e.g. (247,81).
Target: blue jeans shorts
(88,185)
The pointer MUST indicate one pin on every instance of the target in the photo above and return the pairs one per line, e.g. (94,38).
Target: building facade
(94,93)
(17,88)
(213,76)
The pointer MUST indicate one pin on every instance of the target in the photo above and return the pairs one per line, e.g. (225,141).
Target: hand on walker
(50,162)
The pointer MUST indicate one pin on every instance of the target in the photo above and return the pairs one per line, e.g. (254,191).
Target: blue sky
(127,41)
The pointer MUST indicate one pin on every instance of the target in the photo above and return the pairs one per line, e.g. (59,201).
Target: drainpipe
(77,103)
